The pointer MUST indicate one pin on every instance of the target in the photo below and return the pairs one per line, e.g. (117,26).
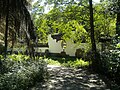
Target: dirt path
(71,79)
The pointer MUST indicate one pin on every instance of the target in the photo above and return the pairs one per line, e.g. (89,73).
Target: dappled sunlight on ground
(62,78)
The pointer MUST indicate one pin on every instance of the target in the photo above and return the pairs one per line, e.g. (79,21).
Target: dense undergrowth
(110,66)
(19,72)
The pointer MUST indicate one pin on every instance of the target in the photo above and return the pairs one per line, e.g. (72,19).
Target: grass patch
(52,62)
(67,62)
(76,64)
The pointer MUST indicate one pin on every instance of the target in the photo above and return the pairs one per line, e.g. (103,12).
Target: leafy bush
(21,72)
(110,64)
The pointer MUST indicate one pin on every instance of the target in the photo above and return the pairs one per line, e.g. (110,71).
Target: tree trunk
(13,40)
(118,24)
(7,26)
(94,52)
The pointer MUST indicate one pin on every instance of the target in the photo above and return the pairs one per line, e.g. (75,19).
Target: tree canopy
(71,17)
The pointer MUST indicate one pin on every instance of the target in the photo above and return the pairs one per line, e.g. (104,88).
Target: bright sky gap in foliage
(47,10)
(96,1)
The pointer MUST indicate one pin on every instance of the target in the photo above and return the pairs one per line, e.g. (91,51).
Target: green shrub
(111,60)
(110,64)
(22,72)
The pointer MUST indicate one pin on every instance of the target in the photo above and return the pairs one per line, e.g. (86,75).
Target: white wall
(41,49)
(54,47)
(71,47)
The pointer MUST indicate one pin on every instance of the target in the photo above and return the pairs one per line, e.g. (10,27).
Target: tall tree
(118,19)
(94,52)
(6,29)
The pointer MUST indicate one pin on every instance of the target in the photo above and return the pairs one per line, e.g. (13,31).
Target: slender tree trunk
(13,40)
(6,30)
(94,52)
(118,24)
(118,27)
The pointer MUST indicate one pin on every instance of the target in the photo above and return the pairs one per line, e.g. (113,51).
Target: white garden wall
(55,46)
(72,47)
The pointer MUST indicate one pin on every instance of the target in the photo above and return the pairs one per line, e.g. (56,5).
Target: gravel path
(62,78)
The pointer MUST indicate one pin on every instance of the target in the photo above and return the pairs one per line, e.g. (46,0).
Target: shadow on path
(62,78)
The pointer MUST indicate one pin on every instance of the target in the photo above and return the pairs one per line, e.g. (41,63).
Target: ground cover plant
(20,72)
(67,62)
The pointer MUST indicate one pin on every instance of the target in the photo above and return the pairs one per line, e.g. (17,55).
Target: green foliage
(74,31)
(118,45)
(21,72)
(1,57)
(18,57)
(77,63)
(104,21)
(110,64)
(65,21)
(67,62)
(111,60)
(52,62)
